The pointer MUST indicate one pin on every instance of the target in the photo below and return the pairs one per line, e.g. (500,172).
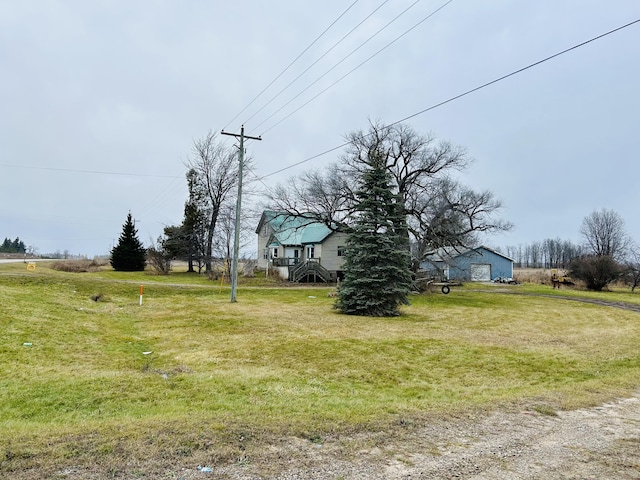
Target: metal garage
(480,264)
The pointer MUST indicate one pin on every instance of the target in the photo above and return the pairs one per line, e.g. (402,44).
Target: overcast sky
(100,102)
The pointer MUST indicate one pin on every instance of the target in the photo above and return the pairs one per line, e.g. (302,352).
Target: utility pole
(236,236)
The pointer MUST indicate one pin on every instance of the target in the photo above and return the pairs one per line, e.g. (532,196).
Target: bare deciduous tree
(440,211)
(224,236)
(215,170)
(324,195)
(632,266)
(604,234)
(159,257)
(450,214)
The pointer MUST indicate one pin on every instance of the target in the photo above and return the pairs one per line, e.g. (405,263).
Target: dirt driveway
(595,443)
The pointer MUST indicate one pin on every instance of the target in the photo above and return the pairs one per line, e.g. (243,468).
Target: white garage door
(480,272)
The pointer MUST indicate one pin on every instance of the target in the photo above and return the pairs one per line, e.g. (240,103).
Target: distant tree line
(15,246)
(607,255)
(549,253)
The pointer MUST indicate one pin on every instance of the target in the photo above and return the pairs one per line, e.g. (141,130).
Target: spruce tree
(377,275)
(6,246)
(194,225)
(129,255)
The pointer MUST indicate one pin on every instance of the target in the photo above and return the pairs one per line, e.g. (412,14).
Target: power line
(318,60)
(289,66)
(92,172)
(468,92)
(351,71)
(170,192)
(339,63)
(513,73)
(306,160)
(259,179)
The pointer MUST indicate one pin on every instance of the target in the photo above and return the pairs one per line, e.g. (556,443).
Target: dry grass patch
(79,266)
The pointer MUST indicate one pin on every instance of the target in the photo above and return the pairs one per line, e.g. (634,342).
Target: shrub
(159,260)
(79,266)
(596,271)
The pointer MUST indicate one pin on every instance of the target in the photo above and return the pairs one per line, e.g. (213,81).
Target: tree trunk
(210,232)
(190,257)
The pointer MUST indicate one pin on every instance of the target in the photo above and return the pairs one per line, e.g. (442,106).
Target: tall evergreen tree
(6,246)
(129,255)
(18,246)
(194,225)
(377,260)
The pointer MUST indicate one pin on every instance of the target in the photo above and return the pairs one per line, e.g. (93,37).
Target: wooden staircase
(309,271)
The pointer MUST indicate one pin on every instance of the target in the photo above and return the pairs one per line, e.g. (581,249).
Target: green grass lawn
(76,386)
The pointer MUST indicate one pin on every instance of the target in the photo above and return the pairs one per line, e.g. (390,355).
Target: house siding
(263,236)
(329,258)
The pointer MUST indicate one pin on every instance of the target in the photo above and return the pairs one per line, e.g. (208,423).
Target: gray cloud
(125,87)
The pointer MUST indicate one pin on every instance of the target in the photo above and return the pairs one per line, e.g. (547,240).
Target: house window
(296,253)
(311,251)
(275,252)
(265,254)
(341,251)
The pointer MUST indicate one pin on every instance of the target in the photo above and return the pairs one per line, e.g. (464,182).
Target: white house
(299,249)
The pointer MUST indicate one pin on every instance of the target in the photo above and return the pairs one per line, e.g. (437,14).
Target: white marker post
(141,293)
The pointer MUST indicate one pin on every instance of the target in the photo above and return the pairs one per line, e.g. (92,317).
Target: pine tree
(6,246)
(129,255)
(194,223)
(377,261)
(19,246)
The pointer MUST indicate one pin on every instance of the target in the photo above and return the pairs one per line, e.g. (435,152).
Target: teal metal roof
(290,230)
